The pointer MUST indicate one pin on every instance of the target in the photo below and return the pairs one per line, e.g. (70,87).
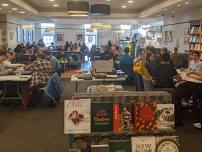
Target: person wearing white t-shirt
(195,64)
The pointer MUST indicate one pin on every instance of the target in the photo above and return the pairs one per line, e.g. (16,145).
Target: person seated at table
(195,64)
(165,73)
(176,59)
(126,58)
(107,55)
(8,62)
(54,61)
(41,72)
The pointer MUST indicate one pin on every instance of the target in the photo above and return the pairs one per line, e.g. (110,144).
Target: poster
(168,37)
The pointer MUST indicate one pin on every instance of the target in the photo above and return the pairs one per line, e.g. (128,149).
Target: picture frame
(186,40)
(168,37)
(186,31)
(60,37)
(79,36)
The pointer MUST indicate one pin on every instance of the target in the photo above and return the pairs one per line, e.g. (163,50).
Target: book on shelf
(100,148)
(120,146)
(77,117)
(123,118)
(101,117)
(168,144)
(143,144)
(145,115)
(165,116)
(195,30)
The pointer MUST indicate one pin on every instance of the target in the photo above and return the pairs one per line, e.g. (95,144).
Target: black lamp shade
(77,7)
(100,10)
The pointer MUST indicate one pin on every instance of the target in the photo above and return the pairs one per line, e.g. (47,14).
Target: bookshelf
(195,42)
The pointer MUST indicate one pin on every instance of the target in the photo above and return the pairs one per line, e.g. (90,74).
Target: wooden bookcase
(195,42)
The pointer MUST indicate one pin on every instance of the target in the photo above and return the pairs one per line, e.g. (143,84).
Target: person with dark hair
(195,64)
(165,73)
(126,58)
(107,55)
(67,45)
(109,44)
(176,59)
(150,62)
(41,43)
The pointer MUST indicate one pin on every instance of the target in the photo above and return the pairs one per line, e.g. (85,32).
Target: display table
(19,80)
(75,79)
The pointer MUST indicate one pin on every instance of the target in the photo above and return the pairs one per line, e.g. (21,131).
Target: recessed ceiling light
(51,0)
(22,12)
(179,5)
(123,6)
(14,9)
(55,5)
(108,0)
(186,3)
(166,9)
(4,4)
(130,1)
(0,8)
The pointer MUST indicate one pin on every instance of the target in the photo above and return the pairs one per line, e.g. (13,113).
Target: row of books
(135,144)
(195,30)
(196,47)
(195,39)
(104,88)
(143,116)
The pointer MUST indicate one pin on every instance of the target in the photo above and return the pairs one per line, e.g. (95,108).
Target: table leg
(76,87)
(4,92)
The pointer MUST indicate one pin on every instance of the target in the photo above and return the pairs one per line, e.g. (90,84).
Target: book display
(195,41)
(126,122)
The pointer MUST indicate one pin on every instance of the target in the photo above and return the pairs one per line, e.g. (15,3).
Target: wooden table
(186,78)
(77,81)
(20,80)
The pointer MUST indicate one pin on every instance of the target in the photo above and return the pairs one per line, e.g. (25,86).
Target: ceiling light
(96,25)
(4,4)
(21,12)
(108,0)
(78,14)
(124,6)
(100,10)
(130,1)
(0,8)
(178,5)
(51,0)
(55,5)
(173,11)
(78,7)
(14,9)
(166,9)
(186,3)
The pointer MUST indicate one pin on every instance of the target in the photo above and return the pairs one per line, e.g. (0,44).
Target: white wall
(69,31)
(12,24)
(171,24)
(104,36)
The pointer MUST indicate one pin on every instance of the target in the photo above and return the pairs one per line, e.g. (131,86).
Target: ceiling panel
(115,4)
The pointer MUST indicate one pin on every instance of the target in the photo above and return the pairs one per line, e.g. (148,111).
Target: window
(48,40)
(48,33)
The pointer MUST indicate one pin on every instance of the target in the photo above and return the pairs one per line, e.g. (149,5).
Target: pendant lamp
(77,7)
(100,10)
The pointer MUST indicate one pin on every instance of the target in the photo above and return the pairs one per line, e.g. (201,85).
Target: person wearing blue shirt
(126,58)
